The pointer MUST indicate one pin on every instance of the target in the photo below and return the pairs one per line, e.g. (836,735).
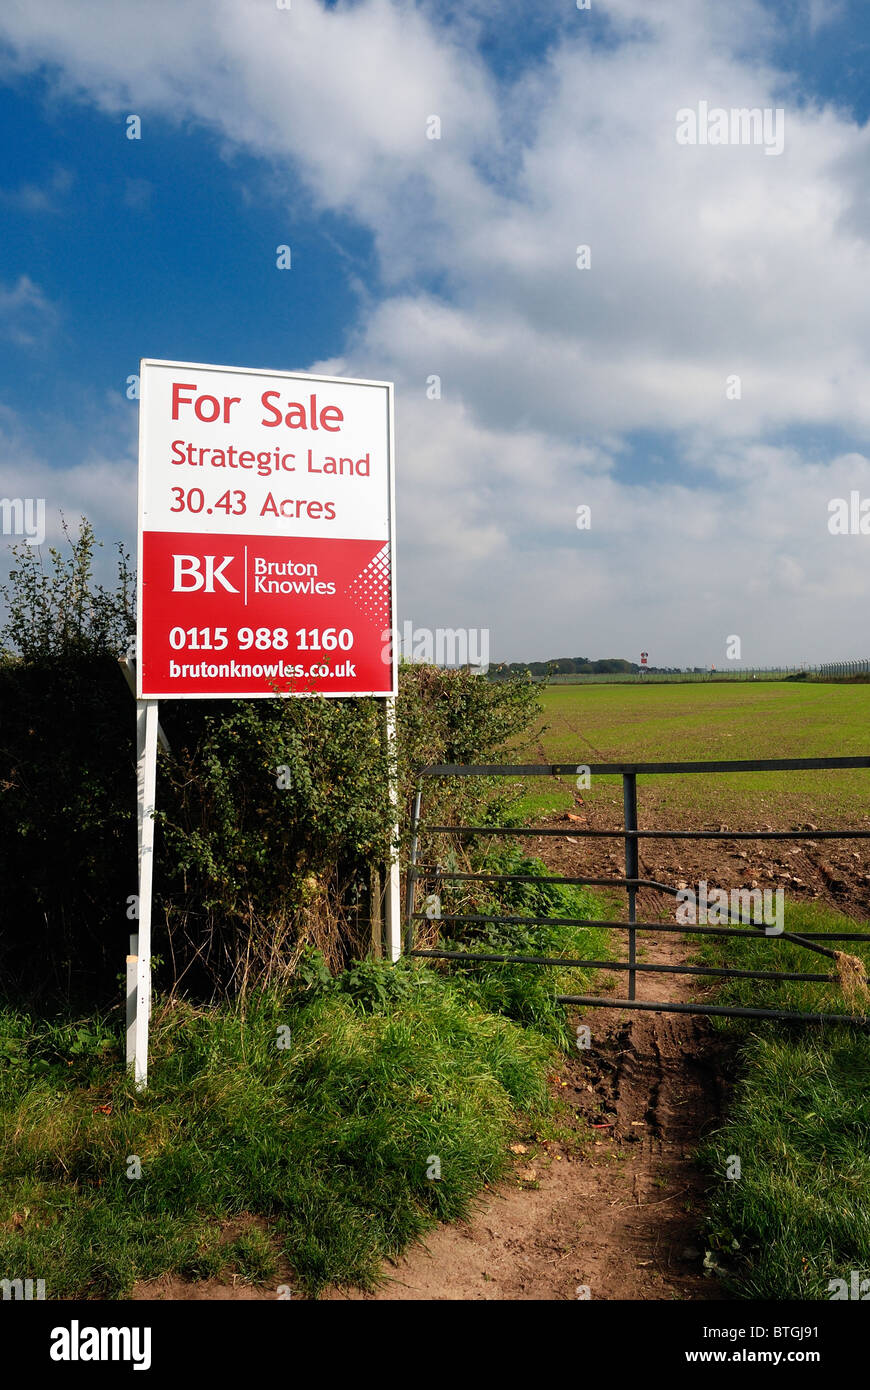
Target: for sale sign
(265,534)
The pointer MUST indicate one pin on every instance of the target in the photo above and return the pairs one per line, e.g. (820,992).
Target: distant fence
(741,673)
(843,668)
(672,677)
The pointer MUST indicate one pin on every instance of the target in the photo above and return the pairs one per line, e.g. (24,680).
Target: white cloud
(101,487)
(706,261)
(26,313)
(820,13)
(39,198)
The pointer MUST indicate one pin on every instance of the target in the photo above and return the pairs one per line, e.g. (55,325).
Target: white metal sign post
(266,567)
(393,914)
(146,779)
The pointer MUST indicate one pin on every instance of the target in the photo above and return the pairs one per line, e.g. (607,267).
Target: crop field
(609,723)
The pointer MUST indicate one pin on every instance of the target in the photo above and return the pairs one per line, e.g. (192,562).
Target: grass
(328,1140)
(798,1217)
(771,719)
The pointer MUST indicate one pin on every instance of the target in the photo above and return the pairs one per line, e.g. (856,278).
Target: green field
(771,719)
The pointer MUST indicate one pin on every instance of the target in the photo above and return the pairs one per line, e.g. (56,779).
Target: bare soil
(835,872)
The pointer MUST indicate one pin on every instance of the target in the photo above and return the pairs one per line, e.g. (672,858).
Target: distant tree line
(575,666)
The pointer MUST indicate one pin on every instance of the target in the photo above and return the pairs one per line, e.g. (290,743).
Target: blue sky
(457,257)
(150,248)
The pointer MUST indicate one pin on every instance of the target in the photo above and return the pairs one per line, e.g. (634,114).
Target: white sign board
(266,548)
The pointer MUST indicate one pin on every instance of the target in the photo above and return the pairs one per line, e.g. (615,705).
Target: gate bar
(435,871)
(646,926)
(580,832)
(624,965)
(618,769)
(629,805)
(411,879)
(652,1006)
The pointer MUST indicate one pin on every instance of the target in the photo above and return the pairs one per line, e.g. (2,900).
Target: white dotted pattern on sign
(370,591)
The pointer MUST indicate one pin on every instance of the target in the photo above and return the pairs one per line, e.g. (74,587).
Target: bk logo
(188,576)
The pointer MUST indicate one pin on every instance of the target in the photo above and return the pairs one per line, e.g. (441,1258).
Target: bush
(67,773)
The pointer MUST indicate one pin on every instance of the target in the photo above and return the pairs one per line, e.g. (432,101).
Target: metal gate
(419,872)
